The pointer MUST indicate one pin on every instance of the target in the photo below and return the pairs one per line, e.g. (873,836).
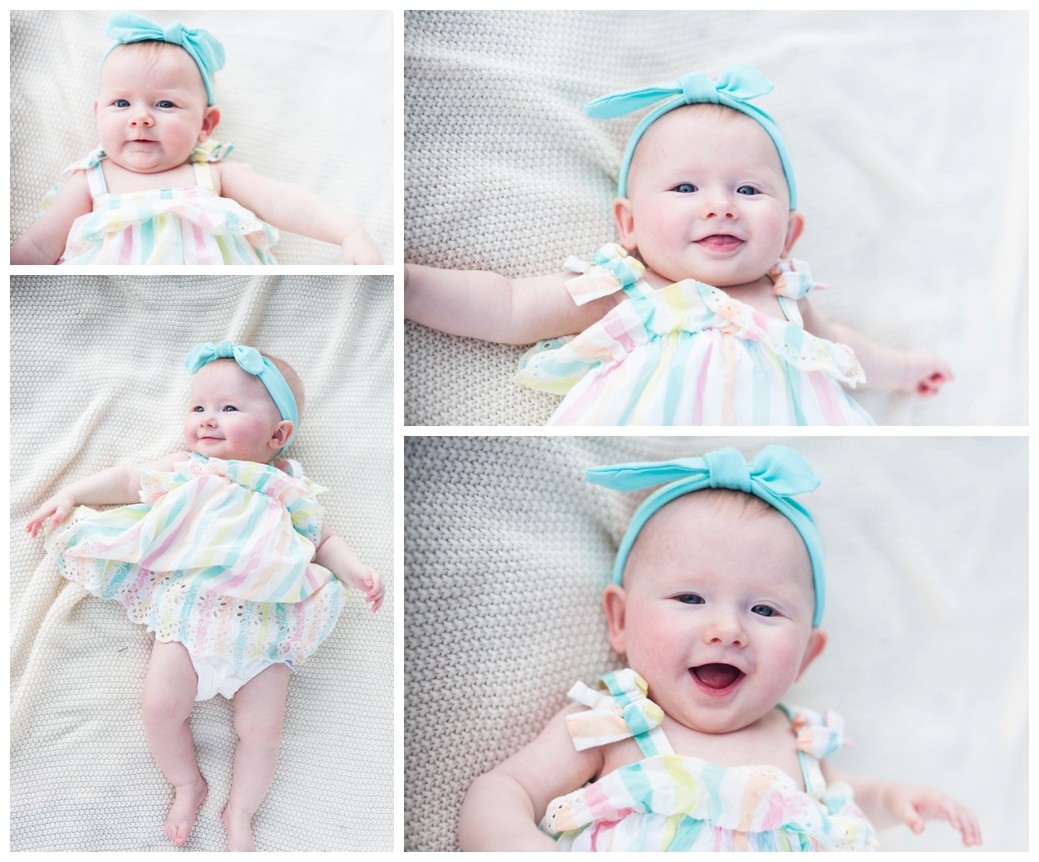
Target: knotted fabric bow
(736,85)
(250,360)
(201,45)
(619,710)
(776,475)
(819,736)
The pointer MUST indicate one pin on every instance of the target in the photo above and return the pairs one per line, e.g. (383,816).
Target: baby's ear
(282,433)
(795,224)
(625,221)
(614,602)
(210,120)
(816,644)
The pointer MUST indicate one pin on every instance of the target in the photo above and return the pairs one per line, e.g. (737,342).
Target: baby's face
(707,198)
(716,612)
(232,416)
(151,109)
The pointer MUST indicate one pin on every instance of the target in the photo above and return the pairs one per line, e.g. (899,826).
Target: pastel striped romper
(690,354)
(673,802)
(217,556)
(167,226)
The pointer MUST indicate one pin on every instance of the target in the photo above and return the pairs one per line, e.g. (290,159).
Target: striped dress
(167,226)
(674,802)
(217,556)
(690,354)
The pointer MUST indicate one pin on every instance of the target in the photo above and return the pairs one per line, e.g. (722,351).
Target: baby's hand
(57,508)
(369,582)
(914,805)
(924,374)
(359,248)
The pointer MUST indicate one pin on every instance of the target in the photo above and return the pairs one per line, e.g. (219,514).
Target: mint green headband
(776,474)
(735,85)
(201,45)
(250,359)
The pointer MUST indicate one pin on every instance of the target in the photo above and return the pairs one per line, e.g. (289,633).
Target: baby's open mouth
(717,676)
(720,242)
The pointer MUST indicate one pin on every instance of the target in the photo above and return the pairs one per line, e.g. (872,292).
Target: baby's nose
(719,205)
(142,119)
(724,630)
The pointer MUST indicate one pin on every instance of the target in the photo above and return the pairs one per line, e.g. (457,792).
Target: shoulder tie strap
(611,269)
(203,175)
(818,737)
(96,181)
(792,280)
(618,710)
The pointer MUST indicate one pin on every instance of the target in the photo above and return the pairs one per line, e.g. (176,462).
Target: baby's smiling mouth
(720,242)
(717,677)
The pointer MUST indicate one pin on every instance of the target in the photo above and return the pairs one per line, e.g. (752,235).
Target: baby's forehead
(225,374)
(713,515)
(135,56)
(672,136)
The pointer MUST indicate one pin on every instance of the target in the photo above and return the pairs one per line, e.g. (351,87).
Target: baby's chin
(146,159)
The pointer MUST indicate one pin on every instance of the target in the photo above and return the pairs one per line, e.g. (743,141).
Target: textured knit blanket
(305,98)
(907,134)
(96,379)
(507,550)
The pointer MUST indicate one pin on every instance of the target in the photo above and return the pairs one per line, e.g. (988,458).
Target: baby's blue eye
(763,610)
(165,103)
(690,599)
(747,190)
(197,409)
(685,188)
(230,408)
(121,103)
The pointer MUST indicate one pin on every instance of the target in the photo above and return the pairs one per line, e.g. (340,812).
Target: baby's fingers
(956,815)
(375,594)
(55,513)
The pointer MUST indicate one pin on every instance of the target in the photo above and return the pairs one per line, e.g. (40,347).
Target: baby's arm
(913,371)
(296,209)
(45,240)
(888,803)
(502,808)
(335,555)
(494,308)
(119,484)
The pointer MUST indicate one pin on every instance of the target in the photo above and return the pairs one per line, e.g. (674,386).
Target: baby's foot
(239,826)
(181,817)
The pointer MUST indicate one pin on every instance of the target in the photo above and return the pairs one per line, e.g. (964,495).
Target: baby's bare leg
(259,709)
(166,702)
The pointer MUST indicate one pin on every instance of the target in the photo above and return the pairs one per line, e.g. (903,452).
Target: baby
(716,602)
(226,560)
(698,315)
(158,191)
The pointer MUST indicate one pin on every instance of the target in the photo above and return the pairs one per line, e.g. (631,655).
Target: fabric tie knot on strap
(776,475)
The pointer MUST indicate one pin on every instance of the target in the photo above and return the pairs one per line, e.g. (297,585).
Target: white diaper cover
(219,675)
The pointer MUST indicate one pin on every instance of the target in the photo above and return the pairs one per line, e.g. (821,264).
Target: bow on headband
(776,475)
(201,45)
(250,360)
(736,85)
